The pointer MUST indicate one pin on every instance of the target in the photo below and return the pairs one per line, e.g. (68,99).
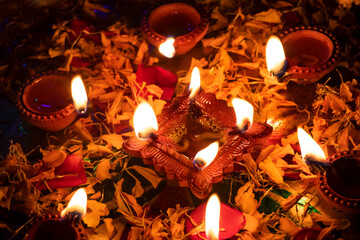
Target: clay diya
(188,126)
(67,226)
(311,53)
(187,24)
(339,185)
(45,101)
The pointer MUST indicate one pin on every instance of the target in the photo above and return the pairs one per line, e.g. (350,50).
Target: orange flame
(79,95)
(212,218)
(309,148)
(167,48)
(205,156)
(244,112)
(195,82)
(275,55)
(145,122)
(77,205)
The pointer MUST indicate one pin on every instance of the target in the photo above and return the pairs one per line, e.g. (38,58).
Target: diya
(338,177)
(45,101)
(187,126)
(311,53)
(339,185)
(187,24)
(67,226)
(221,221)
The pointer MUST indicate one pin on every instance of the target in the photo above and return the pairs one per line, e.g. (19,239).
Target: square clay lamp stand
(184,129)
(45,101)
(311,53)
(187,23)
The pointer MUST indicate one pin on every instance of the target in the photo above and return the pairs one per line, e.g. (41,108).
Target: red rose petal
(72,167)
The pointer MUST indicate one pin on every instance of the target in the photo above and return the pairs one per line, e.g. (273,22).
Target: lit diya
(46,101)
(221,221)
(190,124)
(339,177)
(66,226)
(180,24)
(310,53)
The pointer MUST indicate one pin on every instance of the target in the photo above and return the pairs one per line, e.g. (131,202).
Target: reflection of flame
(195,82)
(212,217)
(244,112)
(309,148)
(78,93)
(77,205)
(167,47)
(275,56)
(205,156)
(145,122)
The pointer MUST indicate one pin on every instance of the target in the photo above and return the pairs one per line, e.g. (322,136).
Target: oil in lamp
(338,181)
(187,24)
(221,221)
(310,52)
(189,124)
(66,226)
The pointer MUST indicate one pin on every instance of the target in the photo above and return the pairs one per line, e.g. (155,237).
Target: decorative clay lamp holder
(45,101)
(188,24)
(311,53)
(200,123)
(51,227)
(339,186)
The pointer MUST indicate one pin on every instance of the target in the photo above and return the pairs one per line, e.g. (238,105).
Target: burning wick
(205,156)
(212,218)
(167,48)
(275,57)
(244,112)
(79,95)
(311,151)
(145,122)
(76,209)
(194,83)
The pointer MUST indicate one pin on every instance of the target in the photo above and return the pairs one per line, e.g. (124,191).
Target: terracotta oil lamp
(338,179)
(186,23)
(185,127)
(339,185)
(66,226)
(311,53)
(45,101)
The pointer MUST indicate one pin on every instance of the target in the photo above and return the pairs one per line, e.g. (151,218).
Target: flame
(195,82)
(77,205)
(244,112)
(78,93)
(275,55)
(309,148)
(167,48)
(145,122)
(205,156)
(212,218)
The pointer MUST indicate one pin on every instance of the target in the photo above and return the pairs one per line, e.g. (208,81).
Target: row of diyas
(188,125)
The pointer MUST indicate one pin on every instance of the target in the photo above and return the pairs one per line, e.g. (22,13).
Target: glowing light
(244,112)
(79,95)
(195,83)
(76,206)
(167,48)
(309,148)
(145,122)
(212,218)
(275,56)
(205,156)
